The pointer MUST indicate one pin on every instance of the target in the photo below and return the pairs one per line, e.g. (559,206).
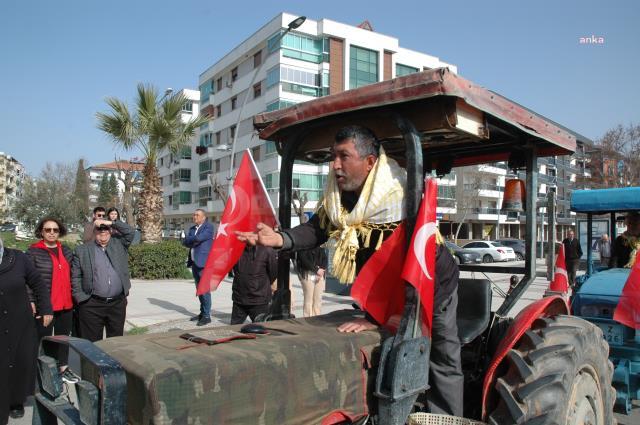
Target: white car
(492,251)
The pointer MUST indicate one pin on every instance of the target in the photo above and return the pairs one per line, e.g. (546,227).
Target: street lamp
(167,92)
(291,26)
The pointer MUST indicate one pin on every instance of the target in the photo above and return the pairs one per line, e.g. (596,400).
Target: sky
(60,59)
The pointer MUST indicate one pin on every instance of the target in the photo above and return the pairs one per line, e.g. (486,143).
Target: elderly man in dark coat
(18,337)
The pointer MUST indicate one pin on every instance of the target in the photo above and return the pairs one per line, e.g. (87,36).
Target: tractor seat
(474,308)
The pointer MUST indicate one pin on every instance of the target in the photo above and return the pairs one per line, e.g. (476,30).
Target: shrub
(164,260)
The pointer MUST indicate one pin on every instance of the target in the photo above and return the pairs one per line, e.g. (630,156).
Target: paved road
(168,304)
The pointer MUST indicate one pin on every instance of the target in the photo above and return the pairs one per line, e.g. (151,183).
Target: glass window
(182,175)
(255,153)
(232,132)
(234,103)
(280,104)
(404,70)
(204,168)
(185,152)
(363,67)
(205,90)
(234,74)
(204,195)
(182,197)
(219,84)
(257,90)
(257,59)
(298,46)
(273,76)
(270,148)
(188,107)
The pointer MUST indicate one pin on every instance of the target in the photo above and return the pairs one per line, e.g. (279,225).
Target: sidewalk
(160,305)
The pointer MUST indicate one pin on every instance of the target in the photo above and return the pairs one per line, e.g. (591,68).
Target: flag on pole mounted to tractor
(379,287)
(560,281)
(627,311)
(248,204)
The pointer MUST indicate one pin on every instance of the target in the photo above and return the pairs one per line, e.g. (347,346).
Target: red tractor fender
(545,307)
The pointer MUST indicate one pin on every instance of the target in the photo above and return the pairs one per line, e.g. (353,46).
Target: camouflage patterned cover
(300,373)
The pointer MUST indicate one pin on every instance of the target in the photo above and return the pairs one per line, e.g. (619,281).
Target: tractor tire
(488,258)
(559,373)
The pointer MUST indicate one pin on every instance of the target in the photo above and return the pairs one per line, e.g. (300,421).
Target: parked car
(516,244)
(463,256)
(491,251)
(8,227)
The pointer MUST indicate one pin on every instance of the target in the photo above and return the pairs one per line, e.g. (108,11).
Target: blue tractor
(599,290)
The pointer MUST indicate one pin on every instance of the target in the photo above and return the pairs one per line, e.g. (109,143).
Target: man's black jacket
(253,274)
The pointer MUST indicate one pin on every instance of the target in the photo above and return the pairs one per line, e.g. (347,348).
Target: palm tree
(156,124)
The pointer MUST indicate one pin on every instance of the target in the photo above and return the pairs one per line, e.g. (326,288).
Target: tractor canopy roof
(460,123)
(599,201)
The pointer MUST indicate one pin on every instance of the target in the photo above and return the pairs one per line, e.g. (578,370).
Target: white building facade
(12,174)
(265,74)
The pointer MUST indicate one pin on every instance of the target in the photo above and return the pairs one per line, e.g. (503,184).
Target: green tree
(104,197)
(113,191)
(81,192)
(48,195)
(155,124)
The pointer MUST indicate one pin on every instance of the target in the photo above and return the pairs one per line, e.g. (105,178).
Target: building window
(216,167)
(298,46)
(232,132)
(257,59)
(234,102)
(404,70)
(204,195)
(188,107)
(234,74)
(363,67)
(204,168)
(218,110)
(217,138)
(182,198)
(206,89)
(205,139)
(219,84)
(271,180)
(280,104)
(255,153)
(270,148)
(257,90)
(181,175)
(185,153)
(311,184)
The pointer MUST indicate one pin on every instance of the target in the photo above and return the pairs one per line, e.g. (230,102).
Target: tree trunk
(150,205)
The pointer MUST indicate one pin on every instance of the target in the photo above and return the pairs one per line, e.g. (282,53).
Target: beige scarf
(379,206)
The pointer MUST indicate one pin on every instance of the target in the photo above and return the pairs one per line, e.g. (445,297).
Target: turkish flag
(560,281)
(378,288)
(420,264)
(628,310)
(248,204)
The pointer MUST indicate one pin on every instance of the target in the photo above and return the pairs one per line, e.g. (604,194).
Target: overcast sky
(60,59)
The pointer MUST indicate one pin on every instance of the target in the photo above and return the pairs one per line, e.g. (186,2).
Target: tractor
(600,288)
(542,367)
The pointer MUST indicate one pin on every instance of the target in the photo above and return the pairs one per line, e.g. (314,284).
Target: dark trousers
(240,312)
(60,325)
(205,299)
(445,367)
(572,268)
(95,316)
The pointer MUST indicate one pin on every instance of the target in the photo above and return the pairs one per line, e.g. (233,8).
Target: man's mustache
(340,174)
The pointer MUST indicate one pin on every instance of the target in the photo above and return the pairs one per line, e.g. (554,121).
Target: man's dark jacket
(253,274)
(310,234)
(572,249)
(84,257)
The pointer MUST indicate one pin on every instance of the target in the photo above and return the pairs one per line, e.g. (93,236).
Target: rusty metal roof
(438,102)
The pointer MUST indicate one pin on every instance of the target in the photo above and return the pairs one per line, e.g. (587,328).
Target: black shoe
(196,318)
(204,321)
(16,411)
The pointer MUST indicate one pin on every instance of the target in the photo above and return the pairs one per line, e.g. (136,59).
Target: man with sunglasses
(100,280)
(87,235)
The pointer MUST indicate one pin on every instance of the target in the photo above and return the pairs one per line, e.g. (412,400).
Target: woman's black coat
(18,339)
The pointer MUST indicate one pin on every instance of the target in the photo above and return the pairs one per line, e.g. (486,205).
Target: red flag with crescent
(627,311)
(378,288)
(248,204)
(560,281)
(420,264)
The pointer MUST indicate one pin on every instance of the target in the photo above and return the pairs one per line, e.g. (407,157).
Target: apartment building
(95,174)
(12,175)
(266,72)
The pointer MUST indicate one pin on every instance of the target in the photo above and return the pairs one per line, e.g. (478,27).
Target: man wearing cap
(100,280)
(627,245)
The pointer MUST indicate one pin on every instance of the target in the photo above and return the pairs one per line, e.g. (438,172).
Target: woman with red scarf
(53,261)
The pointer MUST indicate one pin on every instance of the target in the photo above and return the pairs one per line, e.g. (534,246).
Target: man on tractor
(362,205)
